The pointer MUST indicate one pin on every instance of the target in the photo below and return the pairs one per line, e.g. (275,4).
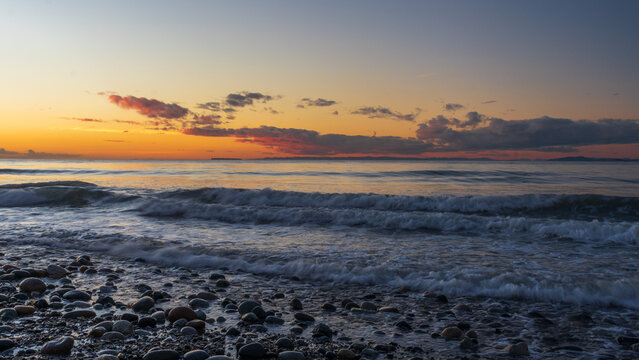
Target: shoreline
(366,322)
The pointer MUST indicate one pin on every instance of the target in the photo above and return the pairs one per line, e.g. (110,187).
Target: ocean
(565,232)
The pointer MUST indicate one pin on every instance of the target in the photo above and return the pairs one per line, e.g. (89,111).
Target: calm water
(554,231)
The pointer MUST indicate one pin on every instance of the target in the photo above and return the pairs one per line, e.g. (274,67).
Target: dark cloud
(213,119)
(317,102)
(246,98)
(150,107)
(30,154)
(130,122)
(479,132)
(453,107)
(335,112)
(86,119)
(309,142)
(489,101)
(384,113)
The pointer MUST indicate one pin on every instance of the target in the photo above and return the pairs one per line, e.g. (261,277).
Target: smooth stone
(252,350)
(304,317)
(517,349)
(75,314)
(285,343)
(322,330)
(466,343)
(108,357)
(123,327)
(188,331)
(56,271)
(250,318)
(220,357)
(246,306)
(198,325)
(6,344)
(159,316)
(328,307)
(291,355)
(182,312)
(369,353)
(345,354)
(451,332)
(143,305)
(77,295)
(112,336)
(296,304)
(222,283)
(108,325)
(369,306)
(207,295)
(24,309)
(232,332)
(147,321)
(196,355)
(274,320)
(8,314)
(97,332)
(388,309)
(198,303)
(259,311)
(30,285)
(161,355)
(58,347)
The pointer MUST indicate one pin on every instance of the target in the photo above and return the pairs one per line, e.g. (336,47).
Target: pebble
(285,343)
(196,355)
(161,355)
(75,314)
(24,310)
(77,295)
(8,314)
(222,283)
(250,318)
(246,306)
(30,285)
(182,312)
(198,325)
(56,271)
(296,304)
(301,316)
(188,331)
(143,305)
(147,321)
(198,303)
(112,336)
(388,309)
(322,330)
(520,348)
(252,350)
(274,320)
(6,344)
(451,332)
(123,327)
(58,347)
(345,354)
(328,307)
(369,306)
(291,355)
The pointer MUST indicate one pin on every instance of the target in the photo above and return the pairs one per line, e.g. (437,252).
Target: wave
(56,193)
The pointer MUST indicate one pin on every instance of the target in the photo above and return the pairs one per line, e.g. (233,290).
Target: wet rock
(198,303)
(188,331)
(198,325)
(252,351)
(322,330)
(161,355)
(113,336)
(196,355)
(251,318)
(159,316)
(144,304)
(56,271)
(520,348)
(30,285)
(76,295)
(368,306)
(291,355)
(627,341)
(58,347)
(232,332)
(328,307)
(97,332)
(301,316)
(24,310)
(182,312)
(451,332)
(76,314)
(369,354)
(6,344)
(246,306)
(147,321)
(222,283)
(467,344)
(388,309)
(123,327)
(296,304)
(8,314)
(345,354)
(403,325)
(285,343)
(274,320)
(207,295)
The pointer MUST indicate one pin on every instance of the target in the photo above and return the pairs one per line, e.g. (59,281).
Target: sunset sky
(249,79)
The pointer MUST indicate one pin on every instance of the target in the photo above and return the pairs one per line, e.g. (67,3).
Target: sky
(249,79)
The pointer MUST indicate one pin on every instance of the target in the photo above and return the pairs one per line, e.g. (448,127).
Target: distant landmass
(395,158)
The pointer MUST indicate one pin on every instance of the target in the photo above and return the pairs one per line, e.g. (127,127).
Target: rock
(219,357)
(328,307)
(260,312)
(75,314)
(112,336)
(471,334)
(182,312)
(215,276)
(232,332)
(56,271)
(322,330)
(30,285)
(304,317)
(389,309)
(369,306)
(442,299)
(196,355)
(198,303)
(147,321)
(251,318)
(207,295)
(198,325)
(291,355)
(77,295)
(403,326)
(108,325)
(58,347)
(6,344)
(144,304)
(108,357)
(123,327)
(97,332)
(273,320)
(369,353)
(451,332)
(8,314)
(466,343)
(462,308)
(246,306)
(345,354)
(520,348)
(159,316)
(24,309)
(161,355)
(285,343)
(252,351)
(222,283)
(188,331)
(296,304)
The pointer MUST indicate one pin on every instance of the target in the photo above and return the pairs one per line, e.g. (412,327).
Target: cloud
(317,102)
(309,142)
(246,98)
(213,119)
(335,112)
(453,107)
(480,132)
(489,101)
(30,154)
(130,122)
(384,113)
(150,107)
(86,119)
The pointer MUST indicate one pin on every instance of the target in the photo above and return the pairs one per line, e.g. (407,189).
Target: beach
(335,260)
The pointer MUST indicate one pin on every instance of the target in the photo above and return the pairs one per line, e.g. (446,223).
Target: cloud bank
(378,112)
(149,107)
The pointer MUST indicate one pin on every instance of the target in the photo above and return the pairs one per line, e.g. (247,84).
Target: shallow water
(557,231)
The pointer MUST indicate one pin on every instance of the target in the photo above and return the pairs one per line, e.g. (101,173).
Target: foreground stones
(30,285)
(162,355)
(181,312)
(520,348)
(252,351)
(58,347)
